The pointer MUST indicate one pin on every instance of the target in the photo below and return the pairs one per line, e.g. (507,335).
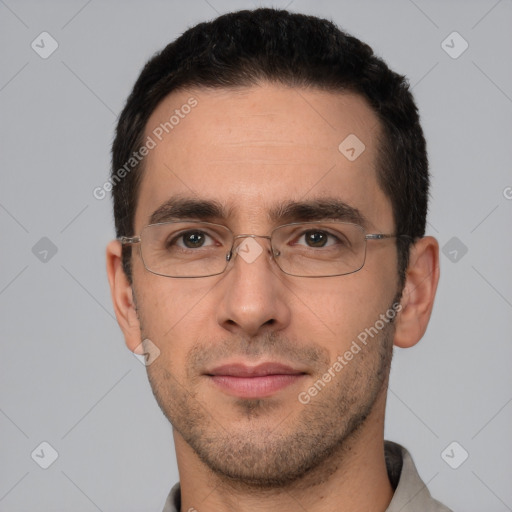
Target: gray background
(65,375)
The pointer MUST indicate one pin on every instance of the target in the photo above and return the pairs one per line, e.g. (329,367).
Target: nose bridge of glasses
(238,241)
(250,236)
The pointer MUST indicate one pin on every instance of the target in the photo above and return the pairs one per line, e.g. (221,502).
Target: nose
(252,296)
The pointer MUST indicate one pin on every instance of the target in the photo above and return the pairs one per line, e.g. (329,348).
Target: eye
(191,240)
(318,238)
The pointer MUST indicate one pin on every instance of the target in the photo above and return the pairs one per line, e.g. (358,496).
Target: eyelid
(179,234)
(301,231)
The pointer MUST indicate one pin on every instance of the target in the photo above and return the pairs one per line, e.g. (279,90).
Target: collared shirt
(410,493)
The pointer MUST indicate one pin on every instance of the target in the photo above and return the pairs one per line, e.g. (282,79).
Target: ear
(122,296)
(422,276)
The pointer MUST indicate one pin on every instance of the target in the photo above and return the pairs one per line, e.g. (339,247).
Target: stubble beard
(274,448)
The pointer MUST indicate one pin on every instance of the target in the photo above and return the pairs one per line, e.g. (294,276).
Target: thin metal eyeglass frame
(133,240)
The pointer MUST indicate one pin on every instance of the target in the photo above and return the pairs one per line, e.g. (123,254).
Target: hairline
(380,148)
(382,138)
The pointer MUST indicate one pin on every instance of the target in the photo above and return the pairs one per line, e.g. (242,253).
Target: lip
(258,381)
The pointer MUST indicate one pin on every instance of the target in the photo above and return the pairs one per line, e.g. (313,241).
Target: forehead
(255,148)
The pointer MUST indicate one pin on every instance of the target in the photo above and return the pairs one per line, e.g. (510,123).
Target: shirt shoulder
(173,501)
(411,493)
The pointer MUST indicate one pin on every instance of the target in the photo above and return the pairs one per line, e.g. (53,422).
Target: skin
(251,149)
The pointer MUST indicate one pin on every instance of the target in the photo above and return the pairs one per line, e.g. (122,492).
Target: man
(270,185)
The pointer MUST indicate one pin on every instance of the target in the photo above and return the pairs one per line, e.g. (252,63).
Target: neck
(354,478)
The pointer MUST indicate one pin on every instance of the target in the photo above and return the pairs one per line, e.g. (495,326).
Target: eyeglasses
(202,249)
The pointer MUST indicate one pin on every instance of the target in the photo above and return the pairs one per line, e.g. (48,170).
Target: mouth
(259,381)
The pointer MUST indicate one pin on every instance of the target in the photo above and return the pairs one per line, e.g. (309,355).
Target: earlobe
(417,301)
(122,296)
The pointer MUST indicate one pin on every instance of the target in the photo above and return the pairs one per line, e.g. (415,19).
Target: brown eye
(316,238)
(193,239)
(190,240)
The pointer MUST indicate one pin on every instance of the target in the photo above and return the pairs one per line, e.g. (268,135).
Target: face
(242,353)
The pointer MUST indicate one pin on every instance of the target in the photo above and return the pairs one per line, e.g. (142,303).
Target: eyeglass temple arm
(378,236)
(381,236)
(126,240)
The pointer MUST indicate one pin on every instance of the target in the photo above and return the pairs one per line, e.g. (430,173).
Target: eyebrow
(180,208)
(317,209)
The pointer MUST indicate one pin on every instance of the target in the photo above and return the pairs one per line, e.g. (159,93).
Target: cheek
(172,314)
(340,310)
